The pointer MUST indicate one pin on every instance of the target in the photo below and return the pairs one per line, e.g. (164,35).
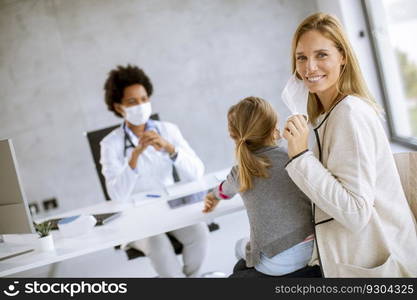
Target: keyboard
(101,219)
(11,250)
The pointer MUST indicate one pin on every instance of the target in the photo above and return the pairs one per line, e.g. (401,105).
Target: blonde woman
(363,224)
(281,229)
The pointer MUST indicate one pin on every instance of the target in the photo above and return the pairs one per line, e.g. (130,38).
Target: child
(281,240)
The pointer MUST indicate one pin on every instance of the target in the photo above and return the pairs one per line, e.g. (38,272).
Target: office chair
(94,139)
(406,163)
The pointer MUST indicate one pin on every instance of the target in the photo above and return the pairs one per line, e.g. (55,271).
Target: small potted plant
(46,243)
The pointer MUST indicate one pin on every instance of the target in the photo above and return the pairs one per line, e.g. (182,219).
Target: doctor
(140,156)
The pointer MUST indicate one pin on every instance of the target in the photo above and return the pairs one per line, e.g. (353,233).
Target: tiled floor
(113,263)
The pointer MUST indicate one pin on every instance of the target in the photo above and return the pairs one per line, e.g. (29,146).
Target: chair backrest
(94,139)
(407,168)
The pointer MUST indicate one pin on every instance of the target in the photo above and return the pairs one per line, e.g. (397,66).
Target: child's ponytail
(251,124)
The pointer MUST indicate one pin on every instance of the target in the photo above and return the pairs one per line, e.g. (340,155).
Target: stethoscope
(128,141)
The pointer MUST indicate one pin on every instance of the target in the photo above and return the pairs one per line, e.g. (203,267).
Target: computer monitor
(14,212)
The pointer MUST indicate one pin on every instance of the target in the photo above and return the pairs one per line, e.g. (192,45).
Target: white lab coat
(154,168)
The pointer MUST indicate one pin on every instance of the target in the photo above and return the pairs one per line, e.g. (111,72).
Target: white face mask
(138,114)
(295,96)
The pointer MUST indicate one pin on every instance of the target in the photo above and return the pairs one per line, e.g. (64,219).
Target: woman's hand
(210,202)
(136,152)
(151,138)
(296,133)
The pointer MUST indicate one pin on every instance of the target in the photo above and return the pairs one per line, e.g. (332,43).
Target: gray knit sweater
(279,213)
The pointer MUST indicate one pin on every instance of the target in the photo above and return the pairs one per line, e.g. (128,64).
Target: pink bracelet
(223,196)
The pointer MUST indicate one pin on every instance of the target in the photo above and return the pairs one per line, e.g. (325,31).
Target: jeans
(241,271)
(288,261)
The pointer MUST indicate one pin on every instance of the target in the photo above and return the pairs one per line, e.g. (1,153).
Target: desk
(139,219)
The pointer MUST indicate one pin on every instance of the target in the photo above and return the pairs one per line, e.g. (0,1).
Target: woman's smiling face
(319,63)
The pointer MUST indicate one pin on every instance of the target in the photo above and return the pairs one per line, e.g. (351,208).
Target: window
(393,26)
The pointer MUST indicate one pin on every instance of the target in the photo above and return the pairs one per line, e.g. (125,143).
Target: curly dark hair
(119,79)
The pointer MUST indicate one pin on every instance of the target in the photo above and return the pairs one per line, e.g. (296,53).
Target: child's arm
(226,190)
(210,202)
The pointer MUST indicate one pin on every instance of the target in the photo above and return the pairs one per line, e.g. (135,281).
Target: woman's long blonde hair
(252,123)
(351,80)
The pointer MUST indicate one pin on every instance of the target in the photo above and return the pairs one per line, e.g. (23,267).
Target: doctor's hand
(137,151)
(296,133)
(210,202)
(151,138)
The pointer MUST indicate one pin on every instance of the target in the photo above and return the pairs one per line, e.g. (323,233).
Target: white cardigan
(364,226)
